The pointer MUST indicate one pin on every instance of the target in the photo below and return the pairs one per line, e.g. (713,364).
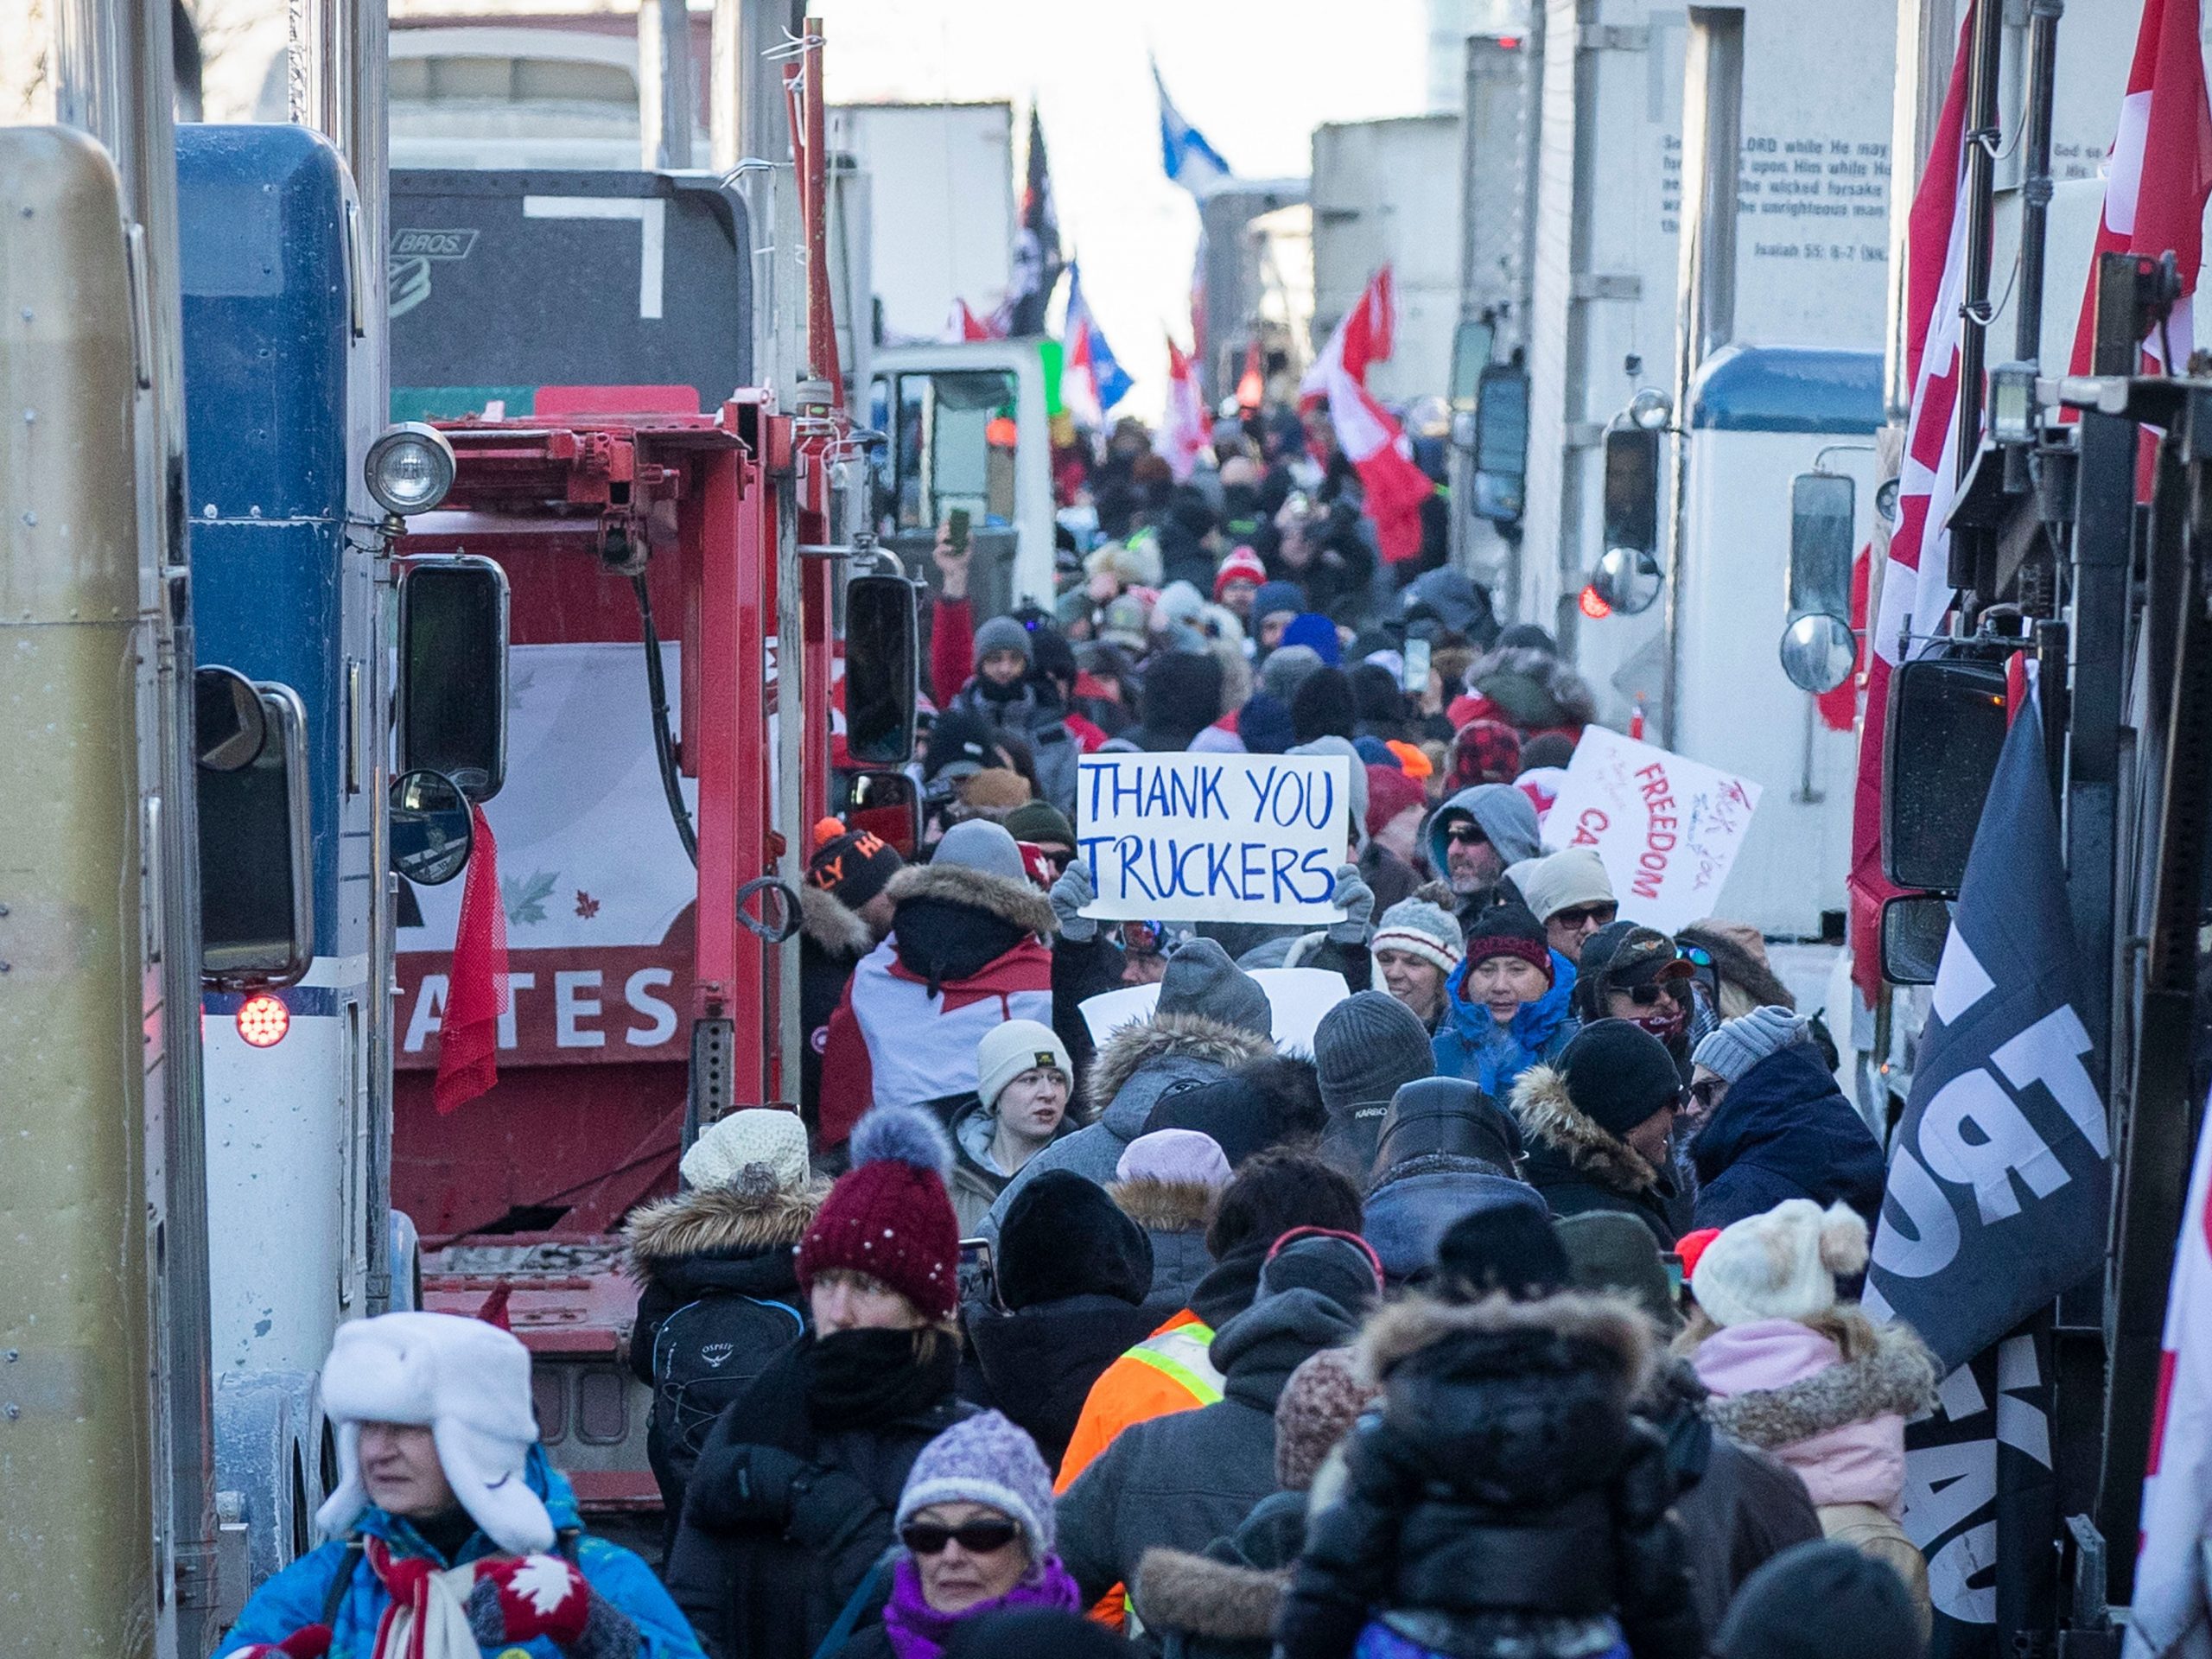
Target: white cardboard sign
(1667,828)
(1213,838)
(1297,998)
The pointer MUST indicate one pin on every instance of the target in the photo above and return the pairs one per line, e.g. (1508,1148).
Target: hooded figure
(1168,1182)
(1614,1085)
(718,1289)
(1506,822)
(1447,1150)
(508,1570)
(966,950)
(1782,1129)
(1211,1018)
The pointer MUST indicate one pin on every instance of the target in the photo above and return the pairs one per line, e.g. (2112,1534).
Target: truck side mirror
(1914,928)
(1501,443)
(885,804)
(433,831)
(453,672)
(1818,649)
(1947,725)
(1628,577)
(228,727)
(882,664)
(256,877)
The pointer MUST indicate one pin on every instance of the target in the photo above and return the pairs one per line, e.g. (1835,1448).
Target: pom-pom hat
(889,1217)
(1781,1265)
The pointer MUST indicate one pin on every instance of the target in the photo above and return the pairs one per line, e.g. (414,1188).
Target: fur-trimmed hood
(1611,1325)
(1166,1206)
(717,1220)
(1550,1120)
(1535,690)
(1737,967)
(832,926)
(1017,903)
(1893,1375)
(1198,1596)
(1190,1038)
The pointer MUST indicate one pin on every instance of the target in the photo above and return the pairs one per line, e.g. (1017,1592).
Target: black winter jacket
(1222,1604)
(832,939)
(1578,1166)
(1037,1363)
(1783,1130)
(1504,1499)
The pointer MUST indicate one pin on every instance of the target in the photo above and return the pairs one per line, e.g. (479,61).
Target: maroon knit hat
(888,1217)
(1389,793)
(1485,752)
(1510,930)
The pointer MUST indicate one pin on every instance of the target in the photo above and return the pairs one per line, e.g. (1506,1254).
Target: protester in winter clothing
(1181,698)
(1237,581)
(1773,1125)
(1075,1274)
(1167,1182)
(1505,1006)
(1274,604)
(1818,1384)
(1531,690)
(1484,751)
(1286,669)
(966,952)
(1474,836)
(1222,1604)
(457,1533)
(1570,893)
(976,1538)
(1366,1049)
(1169,1372)
(1484,1503)
(1448,1152)
(1183,1480)
(1391,863)
(1414,949)
(1263,724)
(1317,634)
(844,911)
(1022,1077)
(1512,1251)
(1857,1610)
(714,1268)
(1635,973)
(1272,1101)
(792,1503)
(1042,824)
(1004,693)
(1210,1018)
(1597,1126)
(1610,1250)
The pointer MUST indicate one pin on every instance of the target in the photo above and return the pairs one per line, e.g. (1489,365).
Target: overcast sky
(1255,76)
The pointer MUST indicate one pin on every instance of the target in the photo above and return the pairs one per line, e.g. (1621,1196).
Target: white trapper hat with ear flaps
(469,1383)
(1781,1265)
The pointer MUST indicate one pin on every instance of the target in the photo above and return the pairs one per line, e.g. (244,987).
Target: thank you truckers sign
(1214,837)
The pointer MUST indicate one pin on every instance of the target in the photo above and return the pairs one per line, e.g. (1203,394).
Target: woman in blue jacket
(1505,1005)
(452,1537)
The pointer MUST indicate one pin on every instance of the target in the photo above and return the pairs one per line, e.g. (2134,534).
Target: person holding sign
(1505,1006)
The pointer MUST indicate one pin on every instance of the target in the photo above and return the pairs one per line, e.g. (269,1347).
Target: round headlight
(410,469)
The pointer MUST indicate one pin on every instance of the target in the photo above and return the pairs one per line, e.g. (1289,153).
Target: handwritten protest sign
(1297,998)
(1667,828)
(1213,838)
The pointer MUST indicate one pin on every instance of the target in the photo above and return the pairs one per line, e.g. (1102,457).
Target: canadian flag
(1184,434)
(2169,1615)
(1393,486)
(2156,181)
(1915,594)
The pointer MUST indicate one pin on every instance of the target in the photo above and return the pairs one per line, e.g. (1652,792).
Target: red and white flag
(2156,181)
(1394,487)
(1184,433)
(1915,594)
(2168,1617)
(963,325)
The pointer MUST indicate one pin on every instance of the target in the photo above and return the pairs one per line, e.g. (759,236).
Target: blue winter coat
(295,1597)
(1784,1131)
(1469,1044)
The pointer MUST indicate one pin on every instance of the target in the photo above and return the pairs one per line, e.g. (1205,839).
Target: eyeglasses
(1586,915)
(977,1537)
(1704,1089)
(1464,835)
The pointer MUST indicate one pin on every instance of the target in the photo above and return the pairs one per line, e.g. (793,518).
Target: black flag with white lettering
(1999,1169)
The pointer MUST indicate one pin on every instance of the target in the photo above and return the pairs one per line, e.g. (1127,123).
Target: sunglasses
(1704,1089)
(1586,915)
(977,1537)
(1464,835)
(1143,937)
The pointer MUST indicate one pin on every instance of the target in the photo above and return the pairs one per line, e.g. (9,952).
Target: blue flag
(2000,1168)
(1087,355)
(1189,160)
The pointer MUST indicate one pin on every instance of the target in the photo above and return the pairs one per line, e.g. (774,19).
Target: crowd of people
(1511,1317)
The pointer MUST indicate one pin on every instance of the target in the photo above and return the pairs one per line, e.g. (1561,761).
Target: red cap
(1242,565)
(1690,1246)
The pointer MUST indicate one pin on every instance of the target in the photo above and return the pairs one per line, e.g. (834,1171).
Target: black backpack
(704,1356)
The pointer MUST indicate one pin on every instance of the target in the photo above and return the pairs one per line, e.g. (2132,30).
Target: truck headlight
(410,469)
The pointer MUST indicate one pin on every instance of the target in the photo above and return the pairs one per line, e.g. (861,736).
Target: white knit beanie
(761,1148)
(1561,880)
(469,1383)
(1013,1048)
(1781,1265)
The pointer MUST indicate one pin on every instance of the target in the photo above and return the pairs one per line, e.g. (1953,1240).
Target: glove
(308,1642)
(1358,900)
(1071,893)
(519,1601)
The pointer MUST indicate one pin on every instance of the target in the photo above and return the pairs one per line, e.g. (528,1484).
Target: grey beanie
(1002,633)
(1368,1047)
(1740,1044)
(1287,668)
(979,844)
(1201,979)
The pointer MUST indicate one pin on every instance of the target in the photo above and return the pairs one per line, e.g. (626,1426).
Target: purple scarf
(918,1630)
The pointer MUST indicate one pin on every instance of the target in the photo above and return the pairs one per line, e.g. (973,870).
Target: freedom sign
(1667,828)
(1213,838)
